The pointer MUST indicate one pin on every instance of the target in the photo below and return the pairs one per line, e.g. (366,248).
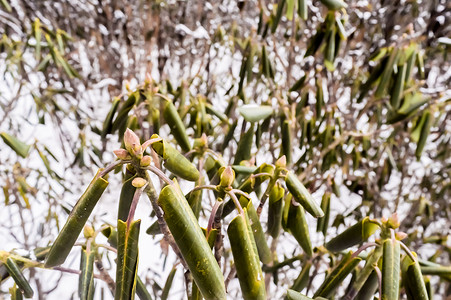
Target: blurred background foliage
(358,91)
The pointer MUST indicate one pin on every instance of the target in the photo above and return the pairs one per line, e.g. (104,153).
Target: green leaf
(425,128)
(294,295)
(141,290)
(390,269)
(302,280)
(275,207)
(356,234)
(297,225)
(168,284)
(337,276)
(255,113)
(387,73)
(246,259)
(243,152)
(19,278)
(334,4)
(127,259)
(126,196)
(302,196)
(174,161)
(191,242)
(86,279)
(108,123)
(76,221)
(367,271)
(15,293)
(412,279)
(19,147)
(172,118)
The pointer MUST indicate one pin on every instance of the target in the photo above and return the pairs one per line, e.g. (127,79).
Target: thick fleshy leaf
(302,195)
(127,260)
(369,288)
(334,4)
(18,146)
(192,243)
(302,280)
(172,118)
(390,269)
(243,152)
(275,207)
(174,161)
(19,278)
(298,227)
(323,223)
(337,275)
(386,74)
(354,235)
(86,279)
(76,221)
(108,123)
(246,258)
(254,112)
(412,280)
(365,273)
(126,196)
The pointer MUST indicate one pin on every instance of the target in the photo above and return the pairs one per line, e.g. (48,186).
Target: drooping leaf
(390,269)
(174,161)
(302,195)
(255,113)
(76,221)
(192,243)
(18,146)
(172,118)
(356,234)
(246,258)
(86,278)
(19,278)
(127,260)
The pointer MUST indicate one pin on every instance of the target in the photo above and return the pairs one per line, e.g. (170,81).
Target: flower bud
(88,231)
(132,143)
(201,142)
(145,161)
(281,162)
(227,177)
(139,182)
(122,154)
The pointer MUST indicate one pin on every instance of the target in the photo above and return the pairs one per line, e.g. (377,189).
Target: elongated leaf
(243,152)
(302,9)
(365,273)
(141,290)
(426,126)
(323,223)
(15,293)
(174,161)
(297,225)
(278,16)
(302,280)
(192,243)
(287,137)
(275,210)
(369,288)
(126,196)
(168,284)
(86,279)
(390,270)
(338,274)
(398,87)
(386,75)
(120,121)
(246,259)
(334,4)
(19,278)
(172,118)
(254,112)
(76,221)
(127,260)
(356,234)
(301,195)
(108,123)
(19,147)
(412,280)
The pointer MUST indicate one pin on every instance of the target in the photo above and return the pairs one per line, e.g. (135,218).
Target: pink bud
(122,154)
(132,143)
